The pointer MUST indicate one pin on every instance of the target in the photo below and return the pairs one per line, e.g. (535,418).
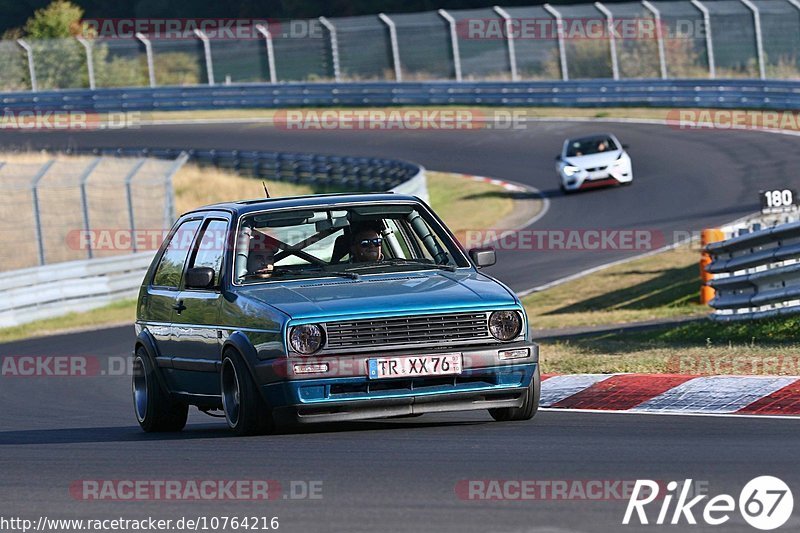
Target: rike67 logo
(765,503)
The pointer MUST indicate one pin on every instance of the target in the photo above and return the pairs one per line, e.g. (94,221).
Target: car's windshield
(296,244)
(591,145)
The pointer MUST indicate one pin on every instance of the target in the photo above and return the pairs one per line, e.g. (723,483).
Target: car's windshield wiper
(314,272)
(403,262)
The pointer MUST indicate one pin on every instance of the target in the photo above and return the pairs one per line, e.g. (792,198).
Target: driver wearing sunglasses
(365,244)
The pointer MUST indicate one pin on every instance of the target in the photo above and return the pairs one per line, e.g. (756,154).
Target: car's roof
(314,200)
(589,138)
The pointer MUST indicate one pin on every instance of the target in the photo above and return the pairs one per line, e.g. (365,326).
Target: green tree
(59,20)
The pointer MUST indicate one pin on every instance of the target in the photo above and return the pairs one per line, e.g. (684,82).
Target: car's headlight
(569,170)
(306,339)
(505,325)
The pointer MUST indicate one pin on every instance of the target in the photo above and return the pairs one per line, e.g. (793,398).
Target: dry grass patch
(664,285)
(197,186)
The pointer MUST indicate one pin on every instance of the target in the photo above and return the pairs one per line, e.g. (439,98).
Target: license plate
(413,366)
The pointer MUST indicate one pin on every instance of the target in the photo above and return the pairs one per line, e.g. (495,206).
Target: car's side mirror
(199,278)
(558,157)
(483,257)
(625,146)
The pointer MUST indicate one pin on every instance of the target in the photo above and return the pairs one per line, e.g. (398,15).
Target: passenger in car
(261,264)
(261,259)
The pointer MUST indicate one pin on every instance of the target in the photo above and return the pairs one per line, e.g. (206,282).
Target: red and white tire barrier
(673,393)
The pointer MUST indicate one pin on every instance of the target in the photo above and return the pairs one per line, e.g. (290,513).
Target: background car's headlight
(505,325)
(306,339)
(569,170)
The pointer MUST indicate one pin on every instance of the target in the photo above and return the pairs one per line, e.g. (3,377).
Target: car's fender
(146,341)
(241,343)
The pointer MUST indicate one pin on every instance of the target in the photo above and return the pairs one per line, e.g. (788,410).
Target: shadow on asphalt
(202,431)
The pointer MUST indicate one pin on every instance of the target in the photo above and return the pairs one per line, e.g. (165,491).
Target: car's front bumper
(613,175)
(485,383)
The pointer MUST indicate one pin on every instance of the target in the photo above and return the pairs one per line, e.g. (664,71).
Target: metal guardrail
(753,94)
(53,290)
(337,172)
(756,275)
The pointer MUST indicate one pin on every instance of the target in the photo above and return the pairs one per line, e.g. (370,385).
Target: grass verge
(762,347)
(661,286)
(664,285)
(463,204)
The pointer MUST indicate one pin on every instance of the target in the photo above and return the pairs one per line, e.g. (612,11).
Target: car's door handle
(179,306)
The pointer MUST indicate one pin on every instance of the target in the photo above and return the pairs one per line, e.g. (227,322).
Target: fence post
(707,236)
(207,51)
(512,52)
(169,204)
(270,52)
(611,38)
(334,47)
(84,200)
(89,61)
(148,51)
(762,68)
(398,71)
(562,50)
(712,68)
(453,42)
(37,221)
(662,56)
(129,197)
(31,65)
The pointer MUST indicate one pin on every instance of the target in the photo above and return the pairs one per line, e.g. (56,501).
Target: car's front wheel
(245,410)
(154,409)
(529,406)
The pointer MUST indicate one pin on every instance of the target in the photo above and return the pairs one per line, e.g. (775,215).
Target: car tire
(154,409)
(245,410)
(530,404)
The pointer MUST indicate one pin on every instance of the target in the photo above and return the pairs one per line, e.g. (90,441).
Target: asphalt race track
(403,474)
(684,180)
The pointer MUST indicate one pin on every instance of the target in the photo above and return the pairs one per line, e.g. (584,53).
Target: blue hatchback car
(326,308)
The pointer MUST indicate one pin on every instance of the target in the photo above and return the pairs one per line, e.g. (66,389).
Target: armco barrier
(754,94)
(53,290)
(756,275)
(337,172)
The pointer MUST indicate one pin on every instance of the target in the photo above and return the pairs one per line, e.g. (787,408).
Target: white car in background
(593,161)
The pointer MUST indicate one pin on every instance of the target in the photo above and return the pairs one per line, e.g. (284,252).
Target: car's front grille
(596,169)
(407,331)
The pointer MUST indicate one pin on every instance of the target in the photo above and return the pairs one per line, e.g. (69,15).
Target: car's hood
(382,295)
(594,160)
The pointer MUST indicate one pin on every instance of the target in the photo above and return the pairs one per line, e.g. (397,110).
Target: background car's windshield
(293,244)
(591,145)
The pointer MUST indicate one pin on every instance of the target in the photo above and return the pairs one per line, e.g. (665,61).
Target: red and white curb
(507,185)
(673,393)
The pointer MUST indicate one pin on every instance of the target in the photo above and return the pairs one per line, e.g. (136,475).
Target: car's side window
(211,247)
(170,268)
